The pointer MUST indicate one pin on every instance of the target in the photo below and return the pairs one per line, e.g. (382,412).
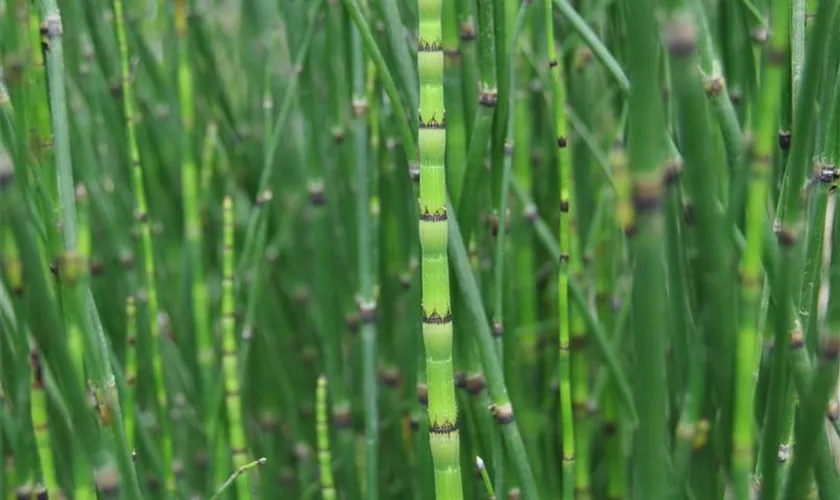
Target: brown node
(672,172)
(833,411)
(107,481)
(423,394)
(460,380)
(562,142)
(488,98)
(96,266)
(352,321)
(467,31)
(498,330)
(475,383)
(317,197)
(438,215)
(413,423)
(414,172)
(564,206)
(503,414)
(797,339)
(367,312)
(681,36)
(786,236)
(714,86)
(30,491)
(514,493)
(341,418)
(302,452)
(532,214)
(647,195)
(390,377)
(785,139)
(830,349)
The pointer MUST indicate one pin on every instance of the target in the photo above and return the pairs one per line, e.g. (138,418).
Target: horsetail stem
(192,224)
(650,478)
(750,269)
(142,216)
(38,404)
(555,64)
(230,365)
(366,236)
(130,399)
(435,300)
(323,430)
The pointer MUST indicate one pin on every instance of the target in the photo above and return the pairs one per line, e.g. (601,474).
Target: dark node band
(317,196)
(6,177)
(673,171)
(475,383)
(498,330)
(460,380)
(776,56)
(564,206)
(341,418)
(367,313)
(830,349)
(436,318)
(467,32)
(714,86)
(797,340)
(433,122)
(429,46)
(785,139)
(352,321)
(488,98)
(552,63)
(681,36)
(436,216)
(389,377)
(503,414)
(647,196)
(423,394)
(786,237)
(562,142)
(446,427)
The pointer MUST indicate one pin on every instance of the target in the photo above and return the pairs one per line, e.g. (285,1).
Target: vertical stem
(323,431)
(555,64)
(435,303)
(142,216)
(650,477)
(365,254)
(233,398)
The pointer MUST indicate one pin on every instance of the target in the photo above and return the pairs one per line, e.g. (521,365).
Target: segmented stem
(40,424)
(566,414)
(142,216)
(323,430)
(435,303)
(230,365)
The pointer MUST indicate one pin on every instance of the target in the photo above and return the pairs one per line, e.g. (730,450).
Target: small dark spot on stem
(785,139)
